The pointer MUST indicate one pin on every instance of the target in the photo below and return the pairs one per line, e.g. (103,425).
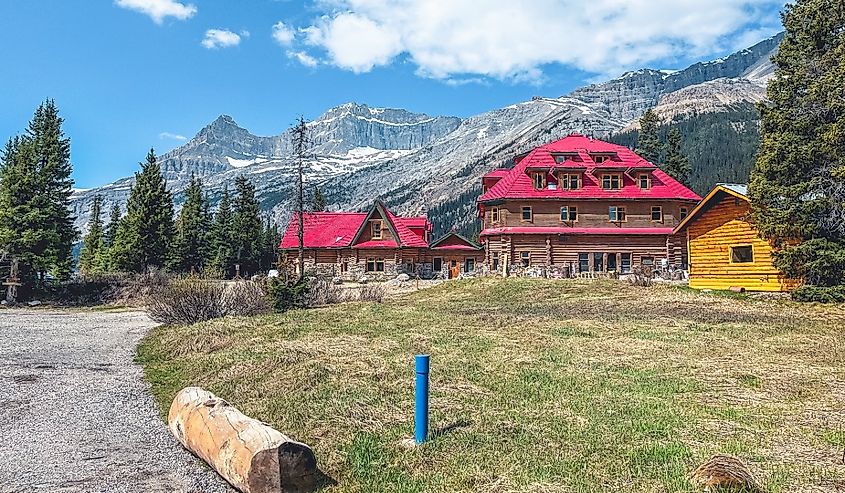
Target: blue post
(421,412)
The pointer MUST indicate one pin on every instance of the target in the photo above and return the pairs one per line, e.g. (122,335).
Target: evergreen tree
(270,240)
(676,163)
(36,226)
(222,253)
(246,227)
(144,235)
(318,201)
(797,185)
(92,248)
(111,227)
(648,144)
(191,241)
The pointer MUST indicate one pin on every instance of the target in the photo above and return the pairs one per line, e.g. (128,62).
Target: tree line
(232,241)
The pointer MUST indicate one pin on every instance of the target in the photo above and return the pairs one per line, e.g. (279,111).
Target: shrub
(641,275)
(192,300)
(322,291)
(834,294)
(285,295)
(372,292)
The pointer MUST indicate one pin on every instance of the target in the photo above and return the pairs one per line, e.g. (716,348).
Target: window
(494,215)
(599,159)
(570,181)
(598,262)
(626,263)
(742,254)
(376,229)
(344,267)
(525,257)
(539,180)
(375,264)
(437,264)
(527,214)
(583,262)
(657,213)
(495,265)
(611,262)
(569,213)
(616,213)
(469,265)
(647,260)
(645,181)
(684,213)
(611,182)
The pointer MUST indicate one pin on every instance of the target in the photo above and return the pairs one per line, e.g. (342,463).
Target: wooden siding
(713,232)
(591,213)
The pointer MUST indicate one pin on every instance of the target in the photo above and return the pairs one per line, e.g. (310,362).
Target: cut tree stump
(250,455)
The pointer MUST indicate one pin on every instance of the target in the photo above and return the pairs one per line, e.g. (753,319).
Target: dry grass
(544,386)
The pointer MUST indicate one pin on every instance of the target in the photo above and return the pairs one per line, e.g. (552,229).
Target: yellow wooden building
(725,251)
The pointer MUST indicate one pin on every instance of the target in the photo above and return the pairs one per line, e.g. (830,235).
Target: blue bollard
(421,411)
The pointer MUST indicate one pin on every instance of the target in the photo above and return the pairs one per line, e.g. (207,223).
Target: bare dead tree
(301,149)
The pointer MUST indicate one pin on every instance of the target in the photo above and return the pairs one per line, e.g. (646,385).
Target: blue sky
(131,74)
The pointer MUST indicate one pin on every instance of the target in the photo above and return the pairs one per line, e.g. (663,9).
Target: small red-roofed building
(582,205)
(377,244)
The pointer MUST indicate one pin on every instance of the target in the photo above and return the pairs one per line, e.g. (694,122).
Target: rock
(4,303)
(403,277)
(337,280)
(34,303)
(256,278)
(706,290)
(363,280)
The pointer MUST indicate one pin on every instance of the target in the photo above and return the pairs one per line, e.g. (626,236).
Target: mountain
(419,163)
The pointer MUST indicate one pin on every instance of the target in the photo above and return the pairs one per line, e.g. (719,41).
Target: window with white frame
(569,213)
(616,213)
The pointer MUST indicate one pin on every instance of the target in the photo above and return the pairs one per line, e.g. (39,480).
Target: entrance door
(454,269)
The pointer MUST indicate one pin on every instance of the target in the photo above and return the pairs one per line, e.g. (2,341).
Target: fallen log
(250,455)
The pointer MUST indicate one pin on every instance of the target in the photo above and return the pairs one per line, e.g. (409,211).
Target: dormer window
(376,229)
(539,179)
(644,180)
(611,181)
(599,159)
(570,181)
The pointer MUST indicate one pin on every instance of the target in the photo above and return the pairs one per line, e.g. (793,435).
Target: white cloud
(158,10)
(303,58)
(171,136)
(454,39)
(220,38)
(283,34)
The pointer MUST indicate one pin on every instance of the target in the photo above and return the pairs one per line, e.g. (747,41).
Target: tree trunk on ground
(250,455)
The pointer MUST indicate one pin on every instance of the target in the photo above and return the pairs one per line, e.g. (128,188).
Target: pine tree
(648,144)
(270,240)
(676,163)
(246,227)
(797,186)
(92,247)
(318,201)
(36,226)
(111,227)
(191,241)
(221,254)
(144,235)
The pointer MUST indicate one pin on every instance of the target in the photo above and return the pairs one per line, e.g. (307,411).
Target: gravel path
(75,413)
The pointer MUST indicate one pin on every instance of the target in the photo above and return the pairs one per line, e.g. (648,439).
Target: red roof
(517,183)
(454,241)
(339,230)
(562,230)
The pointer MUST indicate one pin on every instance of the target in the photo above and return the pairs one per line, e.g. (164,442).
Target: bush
(821,294)
(285,295)
(322,291)
(372,292)
(192,300)
(641,275)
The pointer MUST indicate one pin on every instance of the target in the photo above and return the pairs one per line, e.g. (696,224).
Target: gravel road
(75,413)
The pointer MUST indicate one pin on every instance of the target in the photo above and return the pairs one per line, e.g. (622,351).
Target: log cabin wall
(713,233)
(591,213)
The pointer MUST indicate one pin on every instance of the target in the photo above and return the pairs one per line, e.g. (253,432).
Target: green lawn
(540,386)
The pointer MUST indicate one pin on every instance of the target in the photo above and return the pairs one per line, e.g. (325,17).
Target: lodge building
(581,205)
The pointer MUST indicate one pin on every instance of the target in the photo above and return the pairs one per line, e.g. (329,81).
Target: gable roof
(342,229)
(454,241)
(578,151)
(732,189)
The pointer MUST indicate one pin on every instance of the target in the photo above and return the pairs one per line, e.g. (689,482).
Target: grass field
(539,386)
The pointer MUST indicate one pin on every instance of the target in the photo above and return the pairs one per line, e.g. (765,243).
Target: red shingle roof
(339,229)
(517,184)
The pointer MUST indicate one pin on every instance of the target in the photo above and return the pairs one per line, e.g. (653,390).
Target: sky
(128,75)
